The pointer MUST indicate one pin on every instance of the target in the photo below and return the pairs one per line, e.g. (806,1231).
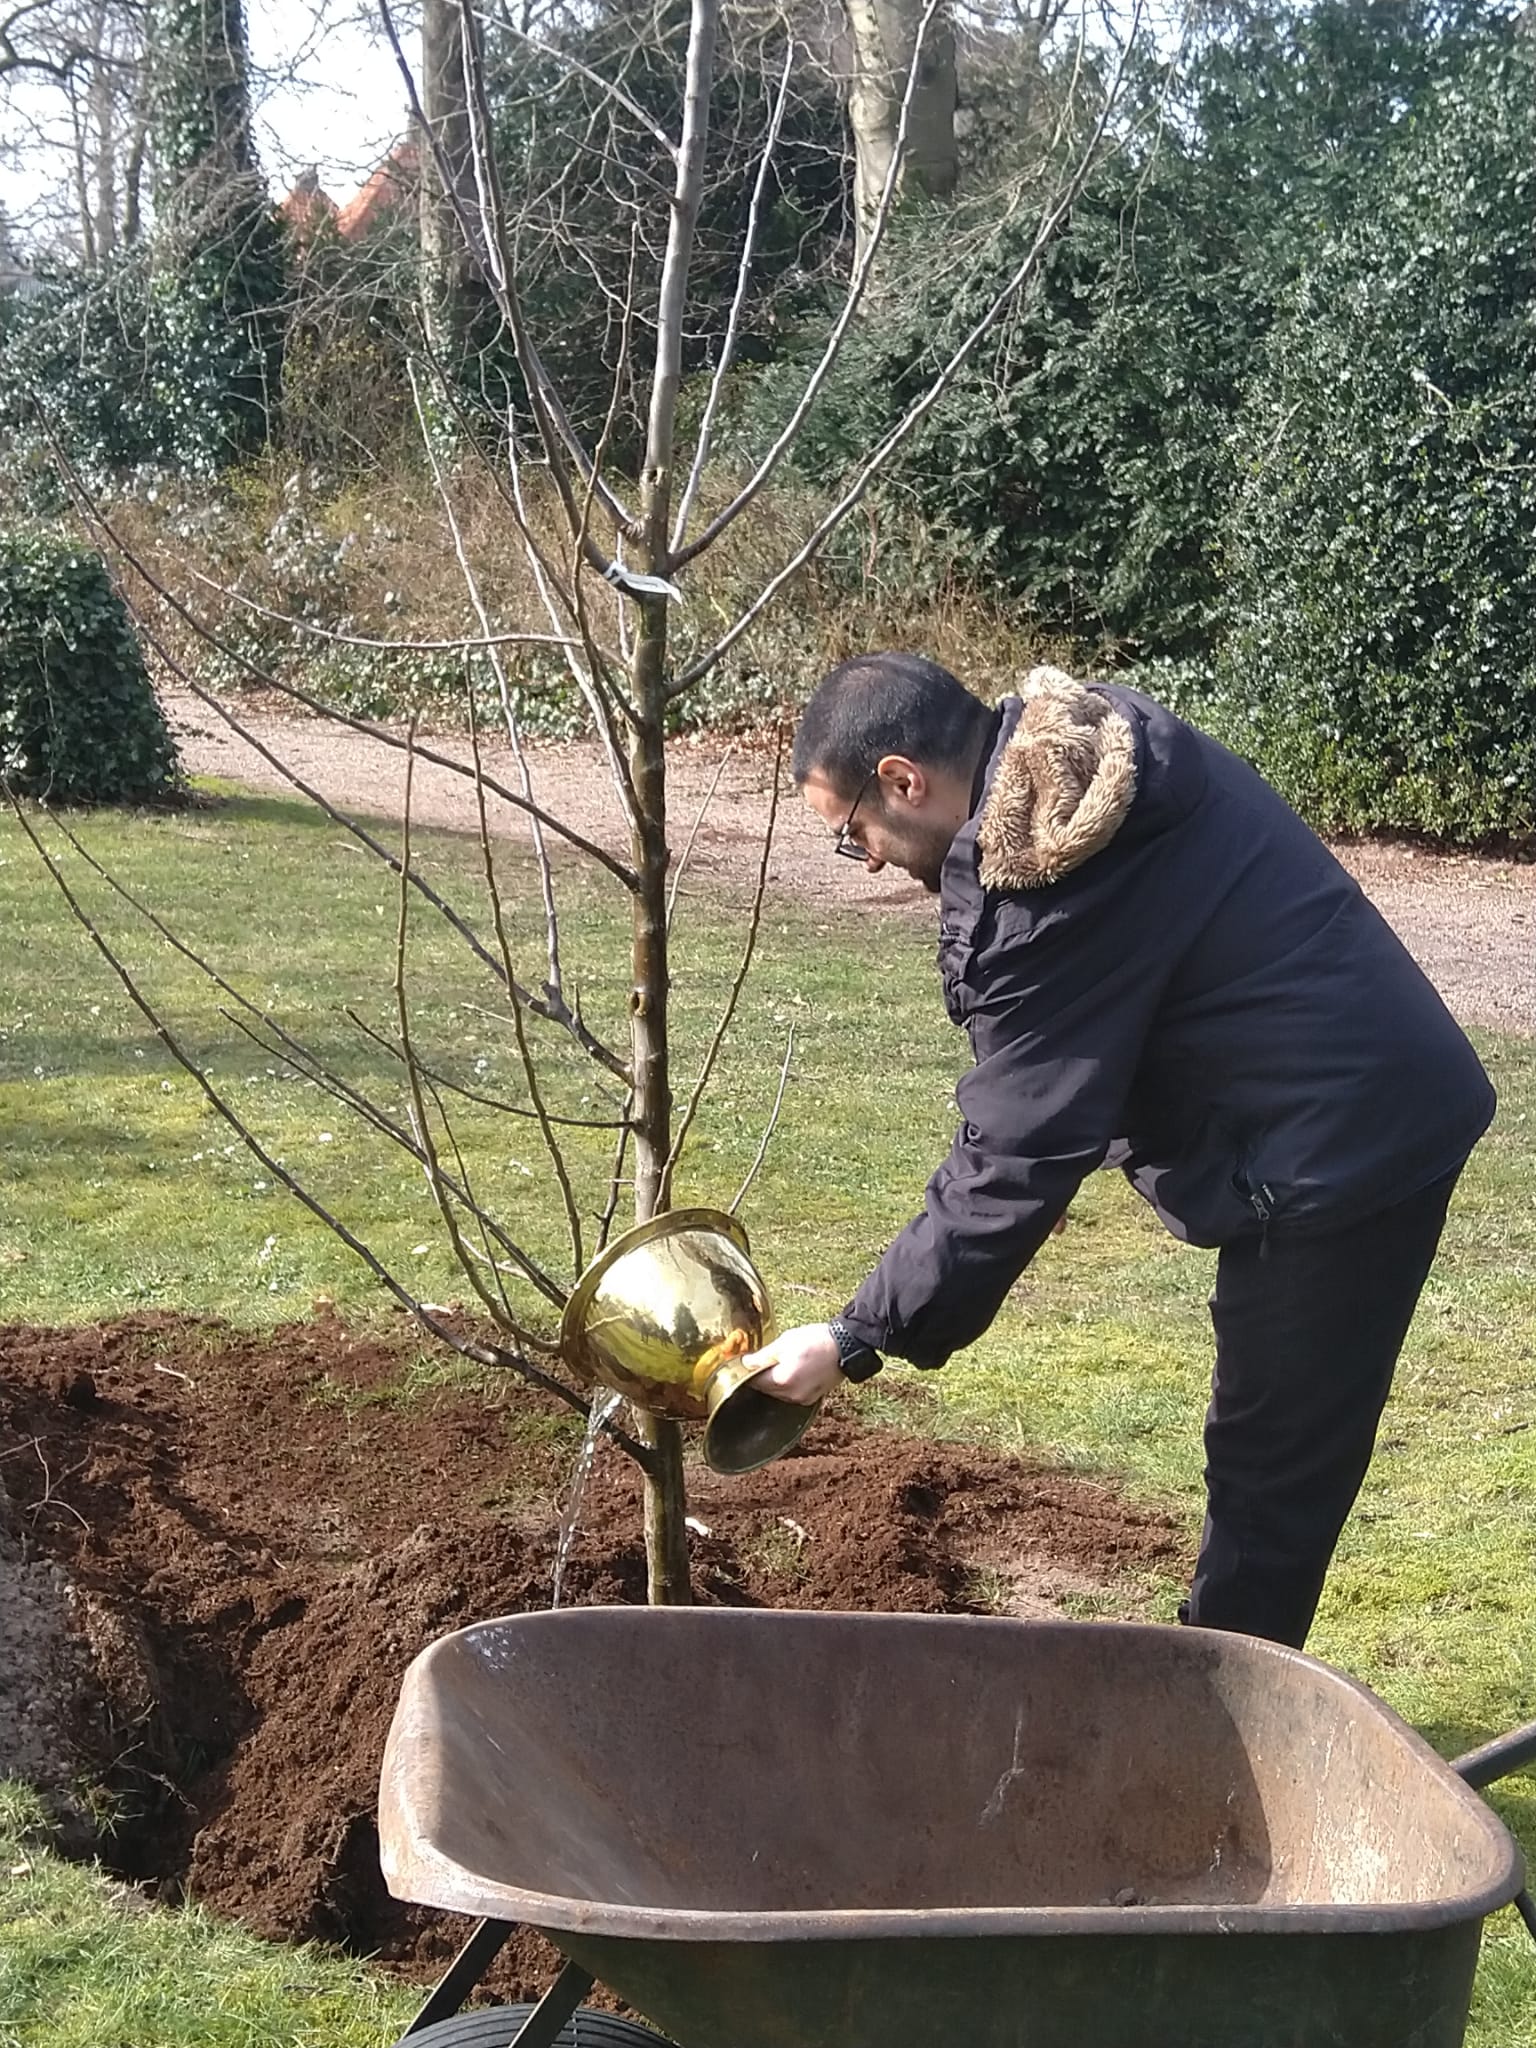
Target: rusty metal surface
(812,1809)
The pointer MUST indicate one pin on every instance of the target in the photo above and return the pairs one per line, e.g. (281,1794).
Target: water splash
(597,1415)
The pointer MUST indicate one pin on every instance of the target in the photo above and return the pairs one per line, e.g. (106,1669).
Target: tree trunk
(667,1582)
(133,180)
(104,119)
(447,268)
(666,1504)
(884,34)
(80,178)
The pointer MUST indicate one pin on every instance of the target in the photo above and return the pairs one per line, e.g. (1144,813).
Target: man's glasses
(845,843)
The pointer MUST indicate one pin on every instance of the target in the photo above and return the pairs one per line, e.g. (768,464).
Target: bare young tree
(612,542)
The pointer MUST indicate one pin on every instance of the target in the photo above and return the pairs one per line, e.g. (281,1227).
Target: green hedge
(79,722)
(1381,660)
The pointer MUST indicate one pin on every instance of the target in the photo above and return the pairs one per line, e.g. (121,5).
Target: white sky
(325,91)
(331,93)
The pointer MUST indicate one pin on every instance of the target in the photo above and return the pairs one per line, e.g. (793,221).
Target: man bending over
(1162,969)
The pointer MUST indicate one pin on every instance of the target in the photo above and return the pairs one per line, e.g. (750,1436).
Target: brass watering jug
(664,1315)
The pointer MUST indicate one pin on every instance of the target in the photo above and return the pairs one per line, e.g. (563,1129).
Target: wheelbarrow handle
(1496,1759)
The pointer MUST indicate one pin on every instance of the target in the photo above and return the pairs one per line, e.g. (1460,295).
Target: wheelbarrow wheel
(495,2026)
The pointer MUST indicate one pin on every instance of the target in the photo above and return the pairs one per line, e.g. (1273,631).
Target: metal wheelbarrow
(808,1830)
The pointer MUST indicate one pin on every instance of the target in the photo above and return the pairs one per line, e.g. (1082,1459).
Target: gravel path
(1469,921)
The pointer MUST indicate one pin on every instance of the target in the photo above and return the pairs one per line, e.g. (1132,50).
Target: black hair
(878,704)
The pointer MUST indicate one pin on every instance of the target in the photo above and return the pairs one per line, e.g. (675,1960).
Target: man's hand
(802,1365)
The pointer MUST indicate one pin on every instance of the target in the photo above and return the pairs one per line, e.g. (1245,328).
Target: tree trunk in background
(884,34)
(104,109)
(447,268)
(215,234)
(205,162)
(79,170)
(133,180)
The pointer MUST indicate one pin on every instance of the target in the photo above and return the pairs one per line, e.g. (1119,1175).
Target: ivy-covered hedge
(1381,661)
(169,355)
(1080,459)
(79,722)
(127,368)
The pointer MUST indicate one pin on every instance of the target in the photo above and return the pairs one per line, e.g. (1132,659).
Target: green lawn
(84,1964)
(121,1189)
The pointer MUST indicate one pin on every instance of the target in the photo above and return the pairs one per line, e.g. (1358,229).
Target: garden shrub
(1080,460)
(79,722)
(127,369)
(1381,663)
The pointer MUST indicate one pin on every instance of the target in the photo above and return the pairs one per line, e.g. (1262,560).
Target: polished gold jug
(664,1315)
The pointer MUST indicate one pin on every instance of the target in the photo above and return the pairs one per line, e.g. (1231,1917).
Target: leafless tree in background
(80,66)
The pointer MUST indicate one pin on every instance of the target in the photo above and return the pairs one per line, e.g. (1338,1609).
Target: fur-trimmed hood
(1063,787)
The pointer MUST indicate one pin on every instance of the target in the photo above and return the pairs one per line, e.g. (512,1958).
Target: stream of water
(597,1415)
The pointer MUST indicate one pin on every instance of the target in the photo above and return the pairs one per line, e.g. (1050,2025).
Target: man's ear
(902,781)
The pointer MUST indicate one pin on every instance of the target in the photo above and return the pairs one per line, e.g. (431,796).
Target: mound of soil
(262,1531)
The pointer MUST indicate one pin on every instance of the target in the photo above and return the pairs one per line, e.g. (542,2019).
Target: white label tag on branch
(633,584)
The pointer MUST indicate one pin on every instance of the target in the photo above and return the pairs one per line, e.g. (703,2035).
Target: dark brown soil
(263,1531)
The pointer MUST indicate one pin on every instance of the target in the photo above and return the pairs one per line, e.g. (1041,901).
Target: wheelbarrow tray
(783,1830)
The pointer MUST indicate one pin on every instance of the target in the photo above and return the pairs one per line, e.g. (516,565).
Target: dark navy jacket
(1209,1002)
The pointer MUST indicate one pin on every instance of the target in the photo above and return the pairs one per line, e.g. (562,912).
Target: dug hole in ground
(222,1549)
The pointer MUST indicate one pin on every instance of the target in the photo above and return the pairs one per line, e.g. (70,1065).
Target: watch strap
(856,1359)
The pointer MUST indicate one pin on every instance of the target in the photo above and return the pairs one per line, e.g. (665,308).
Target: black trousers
(1308,1331)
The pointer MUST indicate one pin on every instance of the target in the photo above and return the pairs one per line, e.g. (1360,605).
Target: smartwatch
(856,1360)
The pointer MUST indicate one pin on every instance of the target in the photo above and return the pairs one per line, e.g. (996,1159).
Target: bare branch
(464,645)
(481,1354)
(530,1071)
(98,519)
(1060,207)
(682,865)
(773,1117)
(552,1010)
(351,1098)
(592,692)
(552,591)
(486,240)
(483,1254)
(420,1120)
(666,379)
(615,1180)
(600,674)
(685,1122)
(851,303)
(508,712)
(441,1080)
(307,1062)
(743,275)
(61,67)
(616,93)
